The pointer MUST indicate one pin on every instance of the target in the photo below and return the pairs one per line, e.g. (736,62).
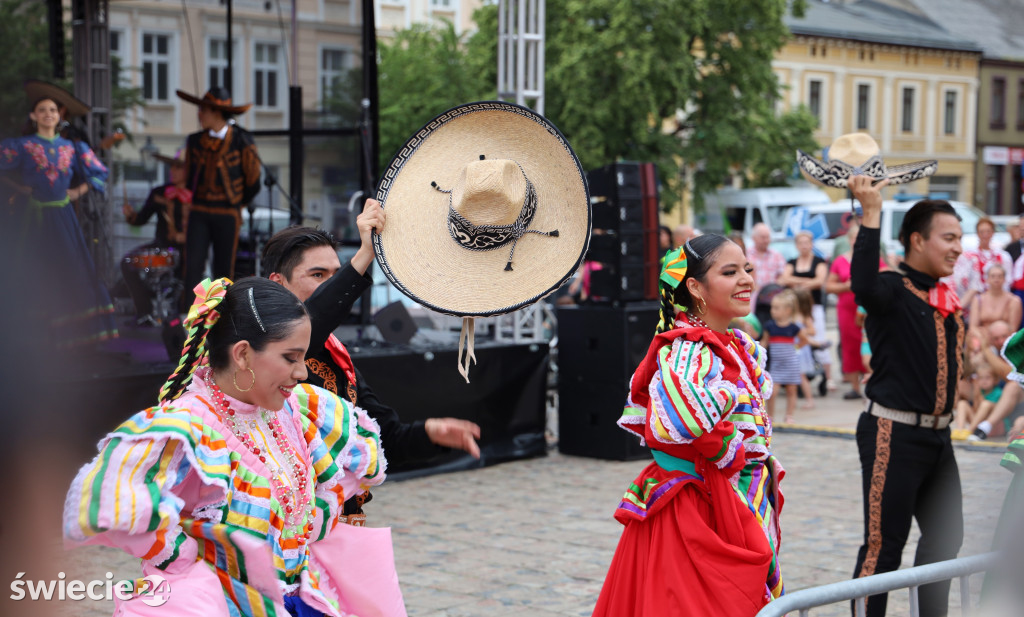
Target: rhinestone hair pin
(255,313)
(695,254)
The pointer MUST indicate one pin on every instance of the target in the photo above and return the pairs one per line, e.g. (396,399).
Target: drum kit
(156,267)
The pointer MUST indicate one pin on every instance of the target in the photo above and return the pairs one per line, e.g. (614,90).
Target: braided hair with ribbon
(254,309)
(690,260)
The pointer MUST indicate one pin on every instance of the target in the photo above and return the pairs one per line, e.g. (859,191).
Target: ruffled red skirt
(701,554)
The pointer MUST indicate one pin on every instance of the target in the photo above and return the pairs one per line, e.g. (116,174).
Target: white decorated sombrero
(858,154)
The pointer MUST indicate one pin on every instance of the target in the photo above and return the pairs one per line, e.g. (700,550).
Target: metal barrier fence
(859,589)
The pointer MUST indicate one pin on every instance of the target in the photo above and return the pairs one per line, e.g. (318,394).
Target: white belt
(910,417)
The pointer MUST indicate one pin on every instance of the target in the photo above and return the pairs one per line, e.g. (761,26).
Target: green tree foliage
(25,49)
(422,72)
(688,85)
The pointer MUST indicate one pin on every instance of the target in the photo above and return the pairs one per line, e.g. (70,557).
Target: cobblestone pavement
(535,537)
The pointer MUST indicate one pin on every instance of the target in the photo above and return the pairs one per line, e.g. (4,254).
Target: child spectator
(805,304)
(986,388)
(782,336)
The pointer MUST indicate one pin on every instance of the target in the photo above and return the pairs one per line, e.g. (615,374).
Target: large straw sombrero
(487,211)
(215,98)
(858,154)
(36,89)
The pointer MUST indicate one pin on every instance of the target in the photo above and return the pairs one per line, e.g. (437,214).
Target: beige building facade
(918,101)
(1001,137)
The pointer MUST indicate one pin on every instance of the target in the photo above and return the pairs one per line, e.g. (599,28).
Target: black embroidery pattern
(488,237)
(838,173)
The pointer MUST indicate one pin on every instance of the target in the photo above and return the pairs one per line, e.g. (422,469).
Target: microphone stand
(269,180)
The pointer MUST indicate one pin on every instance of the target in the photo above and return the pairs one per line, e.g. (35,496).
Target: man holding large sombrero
(222,170)
(915,327)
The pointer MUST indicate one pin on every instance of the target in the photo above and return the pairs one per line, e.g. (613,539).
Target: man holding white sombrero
(222,170)
(915,328)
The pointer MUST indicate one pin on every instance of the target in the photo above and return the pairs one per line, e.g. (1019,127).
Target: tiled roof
(876,22)
(997,26)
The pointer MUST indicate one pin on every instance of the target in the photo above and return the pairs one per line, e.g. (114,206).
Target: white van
(741,209)
(828,222)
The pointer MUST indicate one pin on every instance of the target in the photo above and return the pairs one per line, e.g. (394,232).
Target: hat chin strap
(466,339)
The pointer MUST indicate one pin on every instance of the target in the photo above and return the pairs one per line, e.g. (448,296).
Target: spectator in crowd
(783,336)
(681,234)
(983,392)
(1016,275)
(850,336)
(970,274)
(768,263)
(664,240)
(737,237)
(808,271)
(1013,249)
(994,303)
(983,347)
(804,305)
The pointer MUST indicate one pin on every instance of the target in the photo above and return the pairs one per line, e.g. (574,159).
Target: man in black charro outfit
(916,330)
(222,170)
(305,260)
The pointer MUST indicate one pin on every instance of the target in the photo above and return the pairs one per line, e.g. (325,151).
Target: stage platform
(420,380)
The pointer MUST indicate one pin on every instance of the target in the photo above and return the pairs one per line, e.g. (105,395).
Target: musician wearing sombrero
(170,204)
(222,169)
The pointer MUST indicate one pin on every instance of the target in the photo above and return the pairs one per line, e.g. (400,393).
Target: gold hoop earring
(701,305)
(234,380)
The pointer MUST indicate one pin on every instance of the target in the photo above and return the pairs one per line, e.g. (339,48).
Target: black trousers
(209,226)
(908,472)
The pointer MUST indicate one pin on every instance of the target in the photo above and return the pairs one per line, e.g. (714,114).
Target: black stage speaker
(599,347)
(395,323)
(625,239)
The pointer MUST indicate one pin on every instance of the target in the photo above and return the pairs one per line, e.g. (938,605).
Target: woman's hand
(74,194)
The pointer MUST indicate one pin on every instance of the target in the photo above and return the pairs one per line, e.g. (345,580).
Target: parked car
(830,221)
(741,209)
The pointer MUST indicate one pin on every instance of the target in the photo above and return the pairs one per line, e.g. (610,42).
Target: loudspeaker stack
(624,197)
(601,342)
(599,347)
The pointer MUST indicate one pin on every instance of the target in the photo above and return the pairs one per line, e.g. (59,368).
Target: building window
(441,4)
(944,187)
(266,68)
(118,53)
(907,123)
(217,63)
(863,106)
(949,113)
(993,188)
(117,43)
(1020,105)
(814,98)
(156,57)
(332,70)
(998,119)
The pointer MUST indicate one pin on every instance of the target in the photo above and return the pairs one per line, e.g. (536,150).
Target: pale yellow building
(892,73)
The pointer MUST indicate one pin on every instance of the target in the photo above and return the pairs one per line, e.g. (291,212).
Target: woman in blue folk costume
(45,173)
